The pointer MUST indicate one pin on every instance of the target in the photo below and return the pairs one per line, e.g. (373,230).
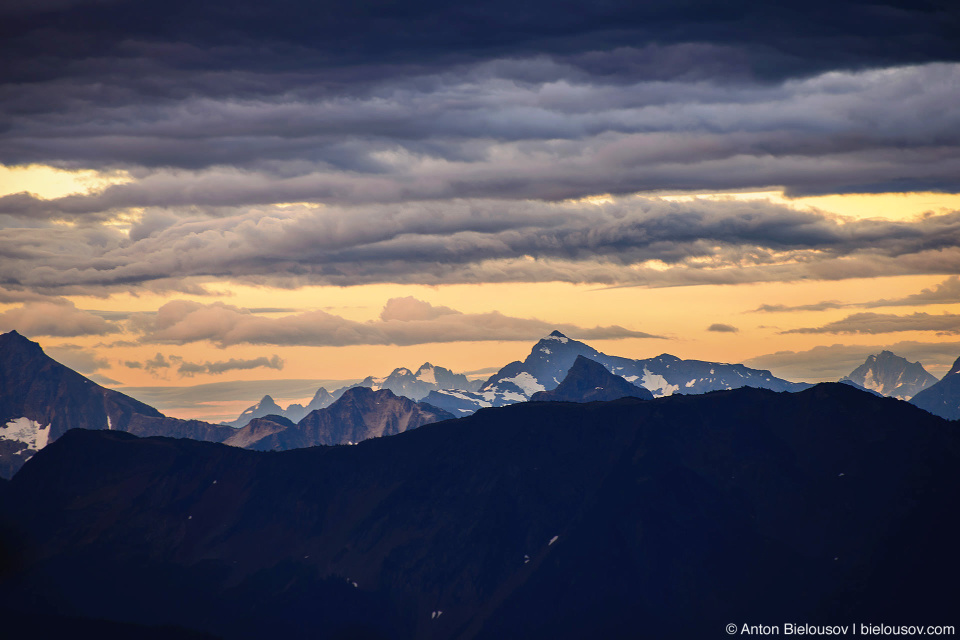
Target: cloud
(873,323)
(60,319)
(722,328)
(189,369)
(634,240)
(946,292)
(403,321)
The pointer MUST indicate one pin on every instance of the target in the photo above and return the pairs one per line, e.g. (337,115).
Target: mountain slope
(943,398)
(538,520)
(891,375)
(40,400)
(359,414)
(589,381)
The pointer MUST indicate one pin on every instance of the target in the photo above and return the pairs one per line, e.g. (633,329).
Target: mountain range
(42,399)
(401,382)
(943,398)
(551,358)
(667,518)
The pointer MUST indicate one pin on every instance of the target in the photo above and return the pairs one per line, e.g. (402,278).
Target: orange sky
(680,314)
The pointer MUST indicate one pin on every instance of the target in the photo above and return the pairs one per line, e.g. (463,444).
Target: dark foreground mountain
(551,358)
(891,375)
(589,381)
(669,518)
(943,398)
(40,399)
(359,414)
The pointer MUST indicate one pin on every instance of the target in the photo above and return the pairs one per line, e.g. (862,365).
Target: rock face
(41,400)
(589,381)
(552,357)
(539,520)
(359,414)
(943,398)
(890,375)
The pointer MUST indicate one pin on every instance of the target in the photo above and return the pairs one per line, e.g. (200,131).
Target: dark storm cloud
(474,133)
(633,240)
(781,38)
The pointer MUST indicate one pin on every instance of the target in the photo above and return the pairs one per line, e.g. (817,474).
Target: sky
(204,202)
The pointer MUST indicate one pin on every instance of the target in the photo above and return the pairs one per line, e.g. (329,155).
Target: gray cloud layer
(639,241)
(479,132)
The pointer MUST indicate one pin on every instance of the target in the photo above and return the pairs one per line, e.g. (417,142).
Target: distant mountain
(668,518)
(296,412)
(589,381)
(401,382)
(891,375)
(41,399)
(552,357)
(943,398)
(267,406)
(359,414)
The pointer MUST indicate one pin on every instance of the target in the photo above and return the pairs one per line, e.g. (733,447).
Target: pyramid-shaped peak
(425,365)
(556,334)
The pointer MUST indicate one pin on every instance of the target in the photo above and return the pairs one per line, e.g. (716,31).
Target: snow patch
(545,350)
(525,381)
(109,424)
(657,384)
(691,383)
(631,378)
(428,375)
(560,339)
(552,540)
(513,396)
(436,614)
(27,431)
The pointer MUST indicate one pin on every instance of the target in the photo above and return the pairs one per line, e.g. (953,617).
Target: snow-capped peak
(556,335)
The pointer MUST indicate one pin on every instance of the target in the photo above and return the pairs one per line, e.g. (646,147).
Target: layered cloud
(478,132)
(403,321)
(160,363)
(947,292)
(873,323)
(628,240)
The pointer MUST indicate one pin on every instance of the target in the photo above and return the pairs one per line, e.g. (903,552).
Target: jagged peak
(955,368)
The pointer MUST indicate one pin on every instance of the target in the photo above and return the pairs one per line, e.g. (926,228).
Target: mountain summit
(589,381)
(553,356)
(891,375)
(943,398)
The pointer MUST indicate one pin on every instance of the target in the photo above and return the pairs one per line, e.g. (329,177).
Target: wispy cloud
(873,323)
